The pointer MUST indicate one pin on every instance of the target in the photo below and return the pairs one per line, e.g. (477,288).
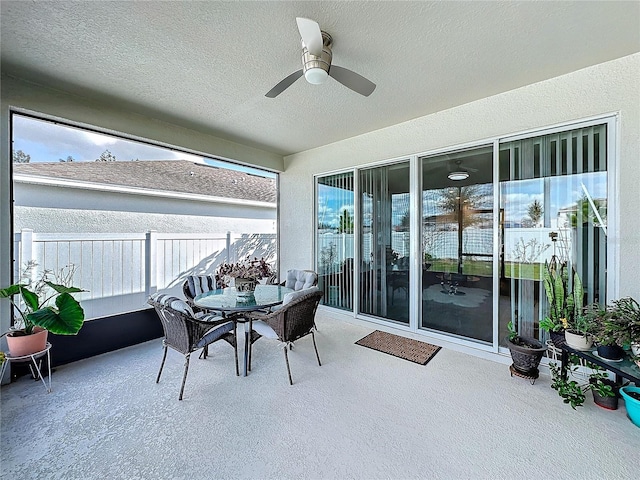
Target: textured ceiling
(207,65)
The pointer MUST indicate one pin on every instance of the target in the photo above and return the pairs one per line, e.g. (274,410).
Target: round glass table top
(228,299)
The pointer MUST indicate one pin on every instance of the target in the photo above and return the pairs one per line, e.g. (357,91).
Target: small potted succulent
(42,305)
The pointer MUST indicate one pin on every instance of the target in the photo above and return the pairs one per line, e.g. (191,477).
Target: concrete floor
(362,415)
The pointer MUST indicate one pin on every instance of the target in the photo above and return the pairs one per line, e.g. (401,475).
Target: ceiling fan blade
(352,80)
(311,35)
(284,84)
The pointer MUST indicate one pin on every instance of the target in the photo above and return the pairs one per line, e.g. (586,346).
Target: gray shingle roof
(168,175)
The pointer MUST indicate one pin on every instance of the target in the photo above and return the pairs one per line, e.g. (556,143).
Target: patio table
(234,306)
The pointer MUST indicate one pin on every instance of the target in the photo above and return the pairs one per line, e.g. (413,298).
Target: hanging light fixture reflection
(459,175)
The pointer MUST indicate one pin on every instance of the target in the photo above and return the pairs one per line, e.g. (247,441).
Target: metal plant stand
(35,365)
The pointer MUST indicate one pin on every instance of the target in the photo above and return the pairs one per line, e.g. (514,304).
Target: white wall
(612,87)
(47,208)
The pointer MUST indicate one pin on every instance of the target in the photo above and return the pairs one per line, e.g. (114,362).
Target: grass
(483,268)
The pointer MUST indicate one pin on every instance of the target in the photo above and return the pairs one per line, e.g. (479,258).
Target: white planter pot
(577,341)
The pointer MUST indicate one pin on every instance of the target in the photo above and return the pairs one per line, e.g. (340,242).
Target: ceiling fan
(316,63)
(460,173)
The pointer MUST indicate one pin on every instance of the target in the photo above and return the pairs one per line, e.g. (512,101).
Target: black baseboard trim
(102,335)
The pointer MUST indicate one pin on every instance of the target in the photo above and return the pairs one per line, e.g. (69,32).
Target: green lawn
(481,268)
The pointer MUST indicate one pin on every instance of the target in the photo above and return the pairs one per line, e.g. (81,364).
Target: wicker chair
(291,322)
(185,333)
(194,285)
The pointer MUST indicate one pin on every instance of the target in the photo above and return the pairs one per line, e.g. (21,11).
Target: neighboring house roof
(165,175)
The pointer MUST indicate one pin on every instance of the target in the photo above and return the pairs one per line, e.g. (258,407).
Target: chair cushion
(173,302)
(198,284)
(291,296)
(264,329)
(214,334)
(299,279)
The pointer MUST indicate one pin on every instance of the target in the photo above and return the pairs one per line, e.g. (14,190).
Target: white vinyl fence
(119,271)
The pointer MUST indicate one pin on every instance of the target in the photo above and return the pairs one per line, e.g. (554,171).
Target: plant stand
(532,376)
(33,364)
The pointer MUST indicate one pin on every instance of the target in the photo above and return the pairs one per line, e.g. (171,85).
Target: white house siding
(611,87)
(50,209)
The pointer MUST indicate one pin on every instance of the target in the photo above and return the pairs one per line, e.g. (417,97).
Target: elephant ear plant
(46,304)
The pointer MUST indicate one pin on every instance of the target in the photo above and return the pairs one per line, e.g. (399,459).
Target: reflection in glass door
(553,207)
(384,242)
(457,243)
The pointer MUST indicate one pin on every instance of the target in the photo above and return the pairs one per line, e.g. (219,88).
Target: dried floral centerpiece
(246,273)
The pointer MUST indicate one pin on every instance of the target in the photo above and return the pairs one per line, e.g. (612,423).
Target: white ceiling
(207,65)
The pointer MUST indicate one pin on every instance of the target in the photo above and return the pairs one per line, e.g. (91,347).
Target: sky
(46,141)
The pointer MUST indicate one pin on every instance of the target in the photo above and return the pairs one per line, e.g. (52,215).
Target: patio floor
(363,414)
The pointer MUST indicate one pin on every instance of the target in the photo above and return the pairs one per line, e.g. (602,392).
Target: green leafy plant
(46,302)
(513,334)
(573,392)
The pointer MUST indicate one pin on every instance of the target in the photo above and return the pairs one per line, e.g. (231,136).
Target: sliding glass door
(553,206)
(457,243)
(384,242)
(334,239)
(463,246)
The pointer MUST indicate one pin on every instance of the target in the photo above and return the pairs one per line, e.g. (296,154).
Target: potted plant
(580,335)
(246,273)
(526,353)
(573,392)
(631,396)
(614,328)
(564,305)
(627,312)
(43,306)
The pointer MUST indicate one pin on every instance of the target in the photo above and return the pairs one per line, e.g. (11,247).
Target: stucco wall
(612,87)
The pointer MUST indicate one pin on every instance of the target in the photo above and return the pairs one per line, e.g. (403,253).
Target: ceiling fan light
(460,175)
(315,76)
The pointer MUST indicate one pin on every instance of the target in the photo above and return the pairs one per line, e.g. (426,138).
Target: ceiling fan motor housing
(311,63)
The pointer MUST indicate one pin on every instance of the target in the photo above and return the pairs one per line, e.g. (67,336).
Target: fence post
(26,253)
(151,260)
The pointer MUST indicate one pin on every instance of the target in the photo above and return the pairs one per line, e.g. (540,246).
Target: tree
(535,212)
(20,157)
(345,223)
(106,156)
(69,159)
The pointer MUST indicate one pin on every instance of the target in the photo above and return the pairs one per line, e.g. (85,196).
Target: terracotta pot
(577,341)
(610,403)
(21,345)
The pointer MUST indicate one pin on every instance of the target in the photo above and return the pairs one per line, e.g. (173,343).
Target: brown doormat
(401,347)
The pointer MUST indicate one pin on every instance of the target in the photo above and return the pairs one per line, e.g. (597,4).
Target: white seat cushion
(264,329)
(300,279)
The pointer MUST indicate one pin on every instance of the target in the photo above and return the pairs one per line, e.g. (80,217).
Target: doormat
(401,347)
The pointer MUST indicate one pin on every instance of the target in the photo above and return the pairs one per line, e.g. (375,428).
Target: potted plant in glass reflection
(245,273)
(40,306)
(526,353)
